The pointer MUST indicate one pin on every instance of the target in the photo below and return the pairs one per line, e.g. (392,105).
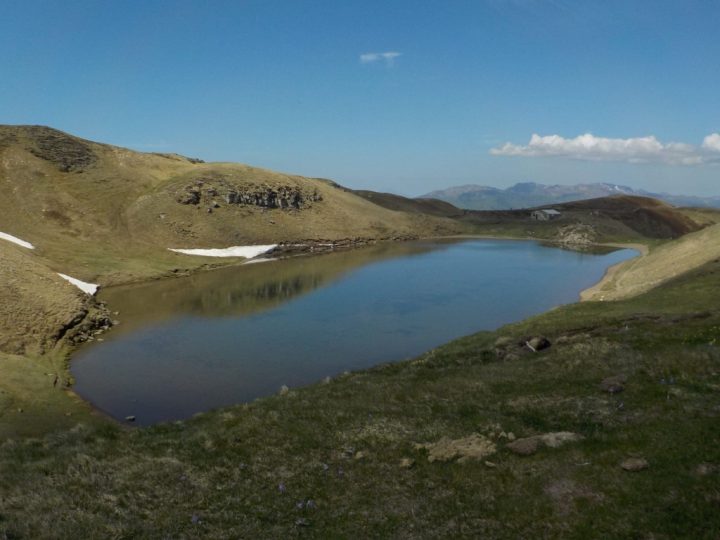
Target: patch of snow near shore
(236,251)
(16,240)
(89,288)
(255,261)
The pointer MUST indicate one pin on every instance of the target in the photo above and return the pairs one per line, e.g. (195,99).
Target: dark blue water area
(390,308)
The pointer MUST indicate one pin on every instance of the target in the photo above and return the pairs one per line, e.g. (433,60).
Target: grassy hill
(107,213)
(433,207)
(620,218)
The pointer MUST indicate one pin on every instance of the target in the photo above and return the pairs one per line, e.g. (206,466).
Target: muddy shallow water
(227,336)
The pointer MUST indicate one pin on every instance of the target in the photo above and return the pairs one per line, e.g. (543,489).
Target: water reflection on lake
(216,338)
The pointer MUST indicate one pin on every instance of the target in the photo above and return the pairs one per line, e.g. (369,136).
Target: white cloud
(387,57)
(712,142)
(633,150)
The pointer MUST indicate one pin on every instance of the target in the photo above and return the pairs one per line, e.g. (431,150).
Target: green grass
(34,399)
(225,467)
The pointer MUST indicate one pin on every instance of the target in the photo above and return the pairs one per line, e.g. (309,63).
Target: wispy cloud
(387,57)
(633,150)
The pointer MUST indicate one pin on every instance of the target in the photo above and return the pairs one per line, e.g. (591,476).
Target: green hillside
(108,214)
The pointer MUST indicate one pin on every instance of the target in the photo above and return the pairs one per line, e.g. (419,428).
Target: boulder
(524,447)
(537,343)
(529,445)
(634,464)
(473,447)
(613,385)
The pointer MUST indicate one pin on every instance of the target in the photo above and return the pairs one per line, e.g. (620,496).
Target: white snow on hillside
(89,288)
(16,240)
(236,251)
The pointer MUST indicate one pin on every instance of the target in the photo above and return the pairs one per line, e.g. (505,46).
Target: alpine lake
(216,338)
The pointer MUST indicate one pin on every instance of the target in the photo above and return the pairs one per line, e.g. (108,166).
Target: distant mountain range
(529,194)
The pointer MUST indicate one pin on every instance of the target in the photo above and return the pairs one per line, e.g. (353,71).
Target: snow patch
(16,240)
(89,288)
(236,251)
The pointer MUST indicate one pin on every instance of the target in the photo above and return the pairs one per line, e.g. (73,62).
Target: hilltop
(530,194)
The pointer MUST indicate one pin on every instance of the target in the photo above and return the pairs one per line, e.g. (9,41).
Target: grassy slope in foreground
(327,460)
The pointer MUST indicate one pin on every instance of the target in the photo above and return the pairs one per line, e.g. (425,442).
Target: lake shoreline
(281,272)
(66,351)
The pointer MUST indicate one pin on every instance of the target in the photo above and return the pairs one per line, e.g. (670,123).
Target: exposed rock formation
(284,197)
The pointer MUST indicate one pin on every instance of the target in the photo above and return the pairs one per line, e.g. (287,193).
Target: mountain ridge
(531,194)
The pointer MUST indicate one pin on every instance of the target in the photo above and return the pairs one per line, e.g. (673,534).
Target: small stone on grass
(634,464)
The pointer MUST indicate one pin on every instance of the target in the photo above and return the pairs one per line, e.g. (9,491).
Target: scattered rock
(576,235)
(284,390)
(613,385)
(302,522)
(490,464)
(634,464)
(281,488)
(559,438)
(537,343)
(706,468)
(473,447)
(407,463)
(189,196)
(359,455)
(130,418)
(524,447)
(529,445)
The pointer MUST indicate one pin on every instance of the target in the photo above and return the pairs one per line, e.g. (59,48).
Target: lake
(227,336)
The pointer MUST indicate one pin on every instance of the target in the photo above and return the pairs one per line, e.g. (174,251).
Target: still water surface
(227,336)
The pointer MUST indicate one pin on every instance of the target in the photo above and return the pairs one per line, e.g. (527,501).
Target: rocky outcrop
(474,447)
(95,322)
(215,193)
(67,153)
(577,234)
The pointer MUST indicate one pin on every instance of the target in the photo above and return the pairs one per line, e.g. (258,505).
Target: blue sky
(403,96)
